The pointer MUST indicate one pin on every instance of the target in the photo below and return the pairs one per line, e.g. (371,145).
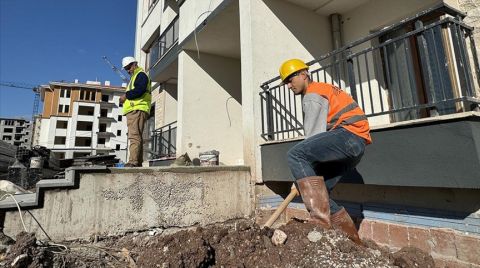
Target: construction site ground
(238,243)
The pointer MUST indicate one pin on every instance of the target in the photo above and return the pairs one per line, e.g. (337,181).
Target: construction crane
(35,89)
(115,69)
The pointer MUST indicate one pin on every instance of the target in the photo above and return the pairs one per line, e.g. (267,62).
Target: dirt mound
(232,244)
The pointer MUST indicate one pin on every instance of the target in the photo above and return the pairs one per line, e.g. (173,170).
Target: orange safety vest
(342,110)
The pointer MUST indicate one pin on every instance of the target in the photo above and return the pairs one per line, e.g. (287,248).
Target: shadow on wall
(311,30)
(228,75)
(172,90)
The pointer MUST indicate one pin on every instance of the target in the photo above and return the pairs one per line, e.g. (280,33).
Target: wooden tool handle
(282,207)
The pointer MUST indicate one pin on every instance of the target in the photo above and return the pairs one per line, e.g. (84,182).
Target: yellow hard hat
(291,66)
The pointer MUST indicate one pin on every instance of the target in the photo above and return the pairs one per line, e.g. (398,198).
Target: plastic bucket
(209,158)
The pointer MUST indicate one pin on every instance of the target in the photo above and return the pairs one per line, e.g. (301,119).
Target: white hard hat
(127,60)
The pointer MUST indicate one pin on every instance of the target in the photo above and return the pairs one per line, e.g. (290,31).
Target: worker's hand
(122,99)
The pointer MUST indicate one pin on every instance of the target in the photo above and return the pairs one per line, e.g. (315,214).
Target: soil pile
(231,244)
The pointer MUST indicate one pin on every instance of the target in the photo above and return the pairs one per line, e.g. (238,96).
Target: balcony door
(416,69)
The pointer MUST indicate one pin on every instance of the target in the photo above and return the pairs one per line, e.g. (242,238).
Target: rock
(279,237)
(412,257)
(19,261)
(314,236)
(375,252)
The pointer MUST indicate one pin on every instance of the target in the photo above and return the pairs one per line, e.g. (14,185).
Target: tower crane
(115,69)
(35,89)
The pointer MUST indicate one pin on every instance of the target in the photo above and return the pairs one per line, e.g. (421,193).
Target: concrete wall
(209,107)
(130,200)
(376,14)
(270,33)
(192,14)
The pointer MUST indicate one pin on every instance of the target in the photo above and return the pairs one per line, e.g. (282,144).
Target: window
(83,141)
(59,155)
(63,108)
(101,141)
(62,124)
(84,126)
(65,93)
(119,133)
(119,118)
(8,130)
(117,147)
(88,95)
(102,128)
(7,138)
(80,154)
(86,110)
(59,140)
(105,98)
(103,113)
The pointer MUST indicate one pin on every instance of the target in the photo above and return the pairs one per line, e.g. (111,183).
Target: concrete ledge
(35,199)
(137,199)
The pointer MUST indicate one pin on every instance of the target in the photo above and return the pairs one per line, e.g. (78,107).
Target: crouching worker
(336,133)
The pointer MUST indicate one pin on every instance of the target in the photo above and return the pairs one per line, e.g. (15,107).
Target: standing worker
(136,106)
(336,133)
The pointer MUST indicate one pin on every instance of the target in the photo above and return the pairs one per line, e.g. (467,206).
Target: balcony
(417,82)
(107,104)
(163,141)
(163,53)
(105,119)
(164,43)
(393,77)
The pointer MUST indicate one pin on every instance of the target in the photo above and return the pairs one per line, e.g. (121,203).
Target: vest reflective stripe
(342,110)
(337,116)
(353,119)
(144,102)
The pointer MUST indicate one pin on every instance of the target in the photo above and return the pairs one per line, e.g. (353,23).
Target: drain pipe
(337,42)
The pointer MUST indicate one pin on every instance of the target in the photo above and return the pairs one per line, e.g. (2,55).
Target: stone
(279,237)
(314,236)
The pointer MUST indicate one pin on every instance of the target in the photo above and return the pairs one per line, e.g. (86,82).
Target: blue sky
(53,40)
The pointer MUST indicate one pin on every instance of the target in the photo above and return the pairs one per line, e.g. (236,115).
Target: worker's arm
(315,108)
(139,87)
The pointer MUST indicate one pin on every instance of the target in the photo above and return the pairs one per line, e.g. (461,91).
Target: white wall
(209,113)
(192,13)
(270,33)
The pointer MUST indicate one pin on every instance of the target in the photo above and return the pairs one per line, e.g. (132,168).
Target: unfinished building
(412,66)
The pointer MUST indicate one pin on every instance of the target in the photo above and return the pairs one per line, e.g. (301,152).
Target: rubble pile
(238,243)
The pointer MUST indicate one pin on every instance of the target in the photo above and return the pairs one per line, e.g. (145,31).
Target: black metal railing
(164,43)
(163,141)
(406,71)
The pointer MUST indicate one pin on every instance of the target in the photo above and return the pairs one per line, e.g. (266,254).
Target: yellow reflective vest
(144,102)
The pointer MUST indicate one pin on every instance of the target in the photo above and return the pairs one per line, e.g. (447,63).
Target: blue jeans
(329,154)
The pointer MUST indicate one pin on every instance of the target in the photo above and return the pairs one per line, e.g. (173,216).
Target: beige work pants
(136,123)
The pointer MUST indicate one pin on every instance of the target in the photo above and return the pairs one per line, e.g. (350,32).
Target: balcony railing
(406,71)
(163,141)
(163,44)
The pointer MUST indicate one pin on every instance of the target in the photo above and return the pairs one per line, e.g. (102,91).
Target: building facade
(17,132)
(211,61)
(83,119)
(412,66)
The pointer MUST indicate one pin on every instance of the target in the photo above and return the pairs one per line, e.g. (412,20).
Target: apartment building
(412,66)
(81,119)
(17,132)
